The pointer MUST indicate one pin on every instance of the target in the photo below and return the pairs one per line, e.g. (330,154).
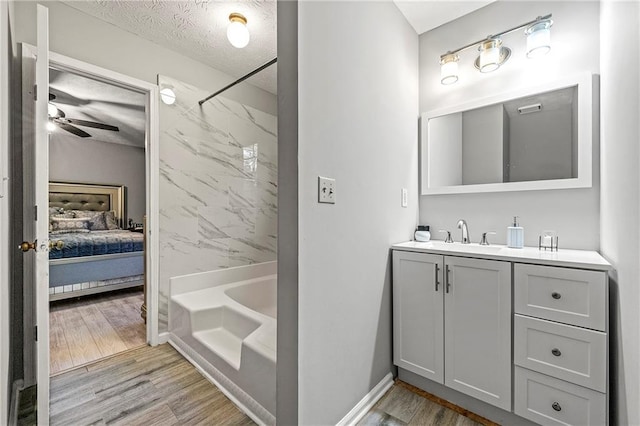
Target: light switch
(326,190)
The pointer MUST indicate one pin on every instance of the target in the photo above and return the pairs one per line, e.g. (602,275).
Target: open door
(36,212)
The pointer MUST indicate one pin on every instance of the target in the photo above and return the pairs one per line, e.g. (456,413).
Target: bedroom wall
(90,161)
(218,186)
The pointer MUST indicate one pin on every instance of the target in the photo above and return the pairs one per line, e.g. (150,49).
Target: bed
(90,252)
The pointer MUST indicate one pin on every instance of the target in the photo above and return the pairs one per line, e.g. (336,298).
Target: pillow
(63,225)
(97,221)
(110,217)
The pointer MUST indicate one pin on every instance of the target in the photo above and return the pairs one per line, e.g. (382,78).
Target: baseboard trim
(237,395)
(163,338)
(369,400)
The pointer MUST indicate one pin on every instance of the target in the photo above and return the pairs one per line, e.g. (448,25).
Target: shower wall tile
(218,186)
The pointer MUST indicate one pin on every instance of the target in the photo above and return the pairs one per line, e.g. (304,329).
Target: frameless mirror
(537,138)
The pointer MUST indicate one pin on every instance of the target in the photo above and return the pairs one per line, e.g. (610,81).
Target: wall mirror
(530,139)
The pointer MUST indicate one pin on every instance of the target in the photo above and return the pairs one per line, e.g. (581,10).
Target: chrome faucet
(465,231)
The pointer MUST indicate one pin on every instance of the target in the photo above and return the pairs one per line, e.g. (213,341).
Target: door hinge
(35,332)
(35,92)
(35,213)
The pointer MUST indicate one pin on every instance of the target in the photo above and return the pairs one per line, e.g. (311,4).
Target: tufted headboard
(89,197)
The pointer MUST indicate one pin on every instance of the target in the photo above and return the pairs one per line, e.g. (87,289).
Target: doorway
(97,199)
(149,92)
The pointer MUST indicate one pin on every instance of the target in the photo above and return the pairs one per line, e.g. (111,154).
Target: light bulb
(237,31)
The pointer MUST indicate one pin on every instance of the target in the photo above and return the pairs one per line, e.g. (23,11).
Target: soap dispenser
(515,235)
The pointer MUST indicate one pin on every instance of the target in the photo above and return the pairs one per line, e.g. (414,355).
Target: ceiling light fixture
(493,54)
(237,31)
(168,96)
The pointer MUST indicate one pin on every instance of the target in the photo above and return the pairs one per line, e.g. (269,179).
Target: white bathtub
(224,322)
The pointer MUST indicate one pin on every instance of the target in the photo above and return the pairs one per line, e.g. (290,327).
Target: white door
(478,329)
(418,344)
(36,211)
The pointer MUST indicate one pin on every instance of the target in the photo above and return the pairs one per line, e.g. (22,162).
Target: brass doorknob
(58,245)
(25,246)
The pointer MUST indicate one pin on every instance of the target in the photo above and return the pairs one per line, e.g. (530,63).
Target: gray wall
(620,201)
(574,214)
(358,120)
(72,159)
(80,36)
(287,351)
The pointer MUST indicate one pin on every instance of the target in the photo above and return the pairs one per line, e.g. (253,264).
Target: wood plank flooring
(143,386)
(404,404)
(89,328)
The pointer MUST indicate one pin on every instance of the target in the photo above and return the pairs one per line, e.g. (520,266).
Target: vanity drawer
(549,401)
(572,296)
(569,353)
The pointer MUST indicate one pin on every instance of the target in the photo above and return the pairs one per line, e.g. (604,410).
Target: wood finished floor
(157,386)
(404,405)
(89,328)
(144,386)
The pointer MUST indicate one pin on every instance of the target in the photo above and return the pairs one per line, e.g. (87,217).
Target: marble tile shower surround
(218,186)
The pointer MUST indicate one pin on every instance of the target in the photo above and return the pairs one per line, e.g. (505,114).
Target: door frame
(152,170)
(152,176)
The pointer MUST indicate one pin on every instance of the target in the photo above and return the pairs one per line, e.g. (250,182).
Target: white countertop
(584,259)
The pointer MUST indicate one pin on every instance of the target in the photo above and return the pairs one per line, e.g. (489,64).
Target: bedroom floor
(89,328)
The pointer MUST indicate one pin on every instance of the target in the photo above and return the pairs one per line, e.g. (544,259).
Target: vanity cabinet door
(478,329)
(418,314)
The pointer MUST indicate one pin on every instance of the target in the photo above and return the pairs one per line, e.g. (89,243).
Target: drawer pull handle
(556,352)
(556,406)
(556,295)
(437,283)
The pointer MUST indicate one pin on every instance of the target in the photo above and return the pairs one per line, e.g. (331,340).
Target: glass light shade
(490,55)
(237,31)
(449,70)
(52,110)
(538,39)
(167,96)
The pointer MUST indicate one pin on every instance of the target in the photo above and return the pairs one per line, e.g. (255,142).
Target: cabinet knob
(556,295)
(556,406)
(556,352)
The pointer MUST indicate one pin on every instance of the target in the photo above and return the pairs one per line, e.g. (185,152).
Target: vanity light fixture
(237,31)
(492,52)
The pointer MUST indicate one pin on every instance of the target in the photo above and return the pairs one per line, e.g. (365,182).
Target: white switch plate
(326,190)
(405,198)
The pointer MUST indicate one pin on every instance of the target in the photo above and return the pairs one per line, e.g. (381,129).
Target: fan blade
(92,124)
(72,129)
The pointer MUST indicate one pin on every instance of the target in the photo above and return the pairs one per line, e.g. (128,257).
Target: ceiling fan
(57,117)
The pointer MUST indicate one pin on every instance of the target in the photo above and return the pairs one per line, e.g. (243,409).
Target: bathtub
(224,322)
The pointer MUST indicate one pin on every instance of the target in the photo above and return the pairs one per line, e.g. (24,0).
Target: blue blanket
(95,243)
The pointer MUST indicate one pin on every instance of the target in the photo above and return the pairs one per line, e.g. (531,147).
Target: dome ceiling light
(237,31)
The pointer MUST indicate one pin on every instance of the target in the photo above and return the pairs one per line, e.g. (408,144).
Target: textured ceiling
(87,99)
(198,29)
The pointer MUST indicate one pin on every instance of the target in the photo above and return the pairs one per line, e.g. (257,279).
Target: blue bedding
(96,243)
